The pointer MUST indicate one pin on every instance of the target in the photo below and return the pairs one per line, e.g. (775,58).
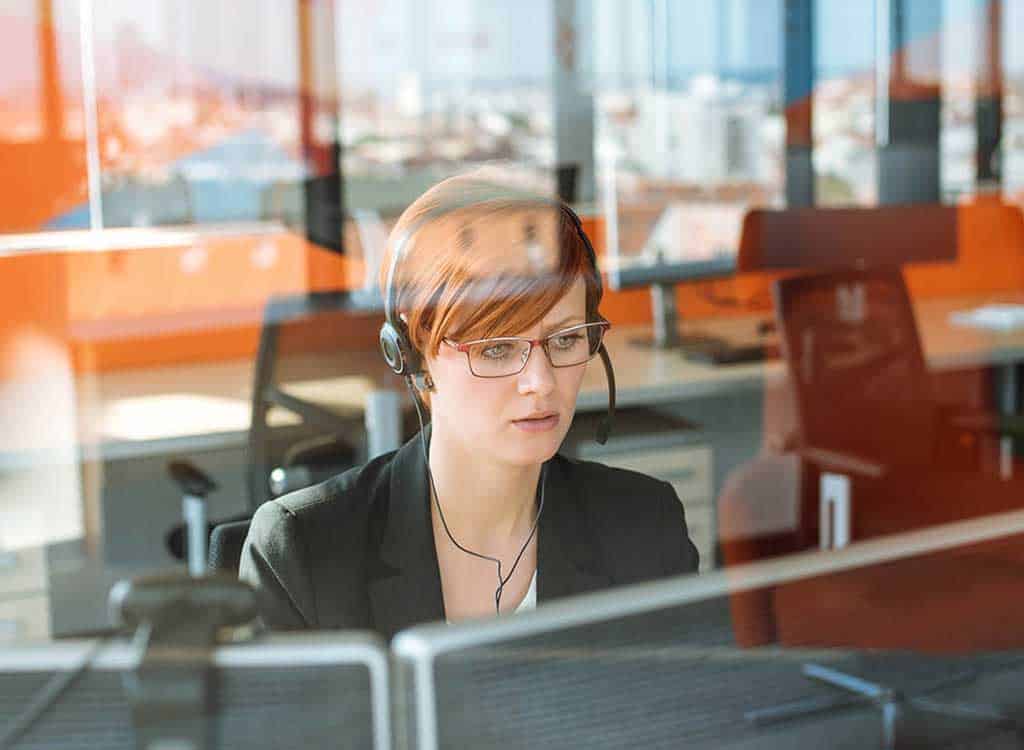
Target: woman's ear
(423,381)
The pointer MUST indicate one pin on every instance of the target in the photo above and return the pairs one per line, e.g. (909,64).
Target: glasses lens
(498,357)
(575,346)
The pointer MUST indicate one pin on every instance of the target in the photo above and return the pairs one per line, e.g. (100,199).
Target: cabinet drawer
(22,570)
(686,469)
(25,619)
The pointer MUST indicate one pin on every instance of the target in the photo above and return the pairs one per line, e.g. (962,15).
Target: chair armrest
(850,463)
(847,463)
(987,421)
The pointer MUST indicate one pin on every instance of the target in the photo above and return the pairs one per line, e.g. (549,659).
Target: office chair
(313,351)
(865,409)
(226,542)
(860,383)
(309,387)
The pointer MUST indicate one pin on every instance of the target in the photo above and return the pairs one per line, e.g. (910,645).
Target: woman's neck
(488,504)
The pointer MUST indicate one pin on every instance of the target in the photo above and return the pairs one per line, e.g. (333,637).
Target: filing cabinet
(22,571)
(24,600)
(25,618)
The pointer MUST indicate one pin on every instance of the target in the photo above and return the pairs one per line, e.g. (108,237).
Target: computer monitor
(690,241)
(656,665)
(324,213)
(295,691)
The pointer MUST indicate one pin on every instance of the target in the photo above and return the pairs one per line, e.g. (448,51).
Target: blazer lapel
(567,562)
(405,587)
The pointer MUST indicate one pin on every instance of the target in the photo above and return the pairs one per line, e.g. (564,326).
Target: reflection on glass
(198,111)
(429,87)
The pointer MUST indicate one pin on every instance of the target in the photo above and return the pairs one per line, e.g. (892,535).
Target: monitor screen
(297,691)
(690,240)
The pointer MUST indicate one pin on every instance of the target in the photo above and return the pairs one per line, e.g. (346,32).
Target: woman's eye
(496,351)
(568,340)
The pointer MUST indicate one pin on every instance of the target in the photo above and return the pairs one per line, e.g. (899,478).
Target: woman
(494,298)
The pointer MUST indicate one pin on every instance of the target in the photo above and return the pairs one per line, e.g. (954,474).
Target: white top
(530,600)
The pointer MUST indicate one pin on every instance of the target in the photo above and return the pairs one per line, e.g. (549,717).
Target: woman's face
(486,415)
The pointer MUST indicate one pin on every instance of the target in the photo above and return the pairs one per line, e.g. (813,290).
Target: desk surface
(183,406)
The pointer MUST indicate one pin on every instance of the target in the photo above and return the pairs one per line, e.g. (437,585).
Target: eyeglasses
(508,355)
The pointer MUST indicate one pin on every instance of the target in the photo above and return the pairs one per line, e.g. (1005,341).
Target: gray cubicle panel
(296,691)
(653,665)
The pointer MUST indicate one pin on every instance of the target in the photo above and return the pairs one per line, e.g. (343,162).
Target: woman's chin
(535,450)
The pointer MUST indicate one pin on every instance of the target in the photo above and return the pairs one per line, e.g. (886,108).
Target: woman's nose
(538,375)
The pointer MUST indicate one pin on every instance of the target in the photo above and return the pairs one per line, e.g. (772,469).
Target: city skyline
(477,40)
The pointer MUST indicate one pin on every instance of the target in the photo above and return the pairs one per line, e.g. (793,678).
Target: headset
(396,344)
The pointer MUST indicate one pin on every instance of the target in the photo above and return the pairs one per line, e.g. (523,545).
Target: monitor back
(308,691)
(652,666)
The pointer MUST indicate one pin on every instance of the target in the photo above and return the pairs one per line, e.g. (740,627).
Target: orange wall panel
(33,307)
(160,306)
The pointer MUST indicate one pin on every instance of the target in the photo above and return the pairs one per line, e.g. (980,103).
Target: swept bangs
(489,267)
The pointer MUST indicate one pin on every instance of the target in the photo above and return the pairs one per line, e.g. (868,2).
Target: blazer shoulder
(304,551)
(638,519)
(608,488)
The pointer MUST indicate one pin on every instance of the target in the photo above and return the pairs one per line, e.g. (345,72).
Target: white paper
(991,317)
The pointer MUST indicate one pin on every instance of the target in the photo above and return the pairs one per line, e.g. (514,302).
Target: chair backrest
(851,343)
(816,239)
(226,542)
(316,352)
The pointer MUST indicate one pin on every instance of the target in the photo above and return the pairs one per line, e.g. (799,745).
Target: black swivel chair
(305,338)
(226,542)
(309,337)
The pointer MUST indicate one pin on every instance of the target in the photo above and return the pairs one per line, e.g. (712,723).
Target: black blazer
(357,551)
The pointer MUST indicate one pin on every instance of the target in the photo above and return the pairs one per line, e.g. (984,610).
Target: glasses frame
(463,347)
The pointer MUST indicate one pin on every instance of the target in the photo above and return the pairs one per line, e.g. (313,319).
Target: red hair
(479,261)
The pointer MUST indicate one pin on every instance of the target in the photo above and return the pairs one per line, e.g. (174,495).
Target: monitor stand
(665,314)
(702,348)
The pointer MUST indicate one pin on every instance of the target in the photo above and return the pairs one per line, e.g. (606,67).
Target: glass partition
(807,214)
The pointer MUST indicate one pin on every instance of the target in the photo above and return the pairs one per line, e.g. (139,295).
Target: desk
(147,412)
(144,417)
(191,407)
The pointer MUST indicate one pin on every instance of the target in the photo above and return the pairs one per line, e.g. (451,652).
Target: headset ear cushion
(392,349)
(398,352)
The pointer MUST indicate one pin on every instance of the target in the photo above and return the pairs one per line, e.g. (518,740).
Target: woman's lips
(537,425)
